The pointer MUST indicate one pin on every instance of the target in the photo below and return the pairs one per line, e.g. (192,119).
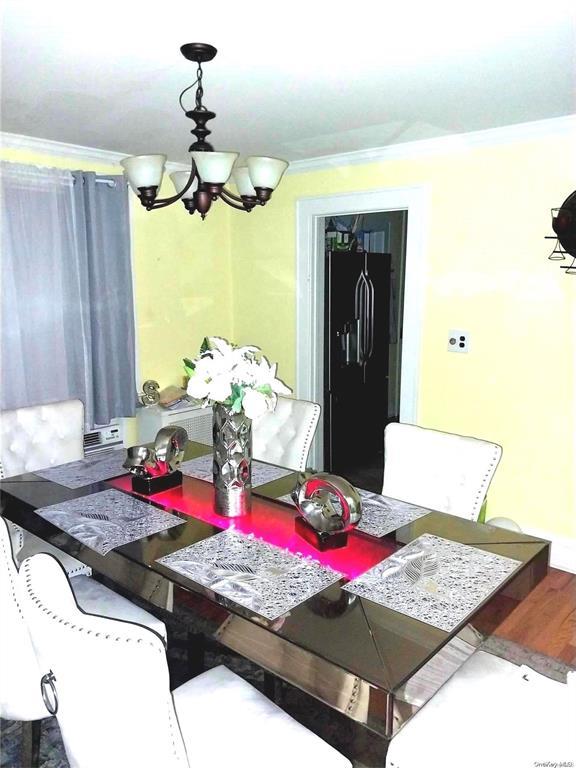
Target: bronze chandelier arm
(229,198)
(163,202)
(231,195)
(234,205)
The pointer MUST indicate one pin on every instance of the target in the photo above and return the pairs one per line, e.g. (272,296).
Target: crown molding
(425,147)
(59,149)
(71,151)
(441,145)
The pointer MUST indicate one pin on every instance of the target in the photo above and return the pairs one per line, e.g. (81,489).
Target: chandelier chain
(199,90)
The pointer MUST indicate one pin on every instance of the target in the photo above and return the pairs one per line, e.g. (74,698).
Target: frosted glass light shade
(266,171)
(214,167)
(241,178)
(180,179)
(144,170)
(128,180)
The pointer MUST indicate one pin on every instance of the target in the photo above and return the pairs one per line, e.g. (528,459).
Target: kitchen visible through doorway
(365,257)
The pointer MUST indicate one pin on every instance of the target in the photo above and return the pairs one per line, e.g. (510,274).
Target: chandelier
(210,170)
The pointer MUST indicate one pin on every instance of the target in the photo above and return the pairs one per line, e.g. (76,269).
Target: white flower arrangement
(238,377)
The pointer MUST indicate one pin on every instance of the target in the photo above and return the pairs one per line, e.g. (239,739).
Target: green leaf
(237,392)
(189,366)
(237,405)
(266,389)
(205,347)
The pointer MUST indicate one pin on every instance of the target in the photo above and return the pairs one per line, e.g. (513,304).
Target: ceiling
(296,80)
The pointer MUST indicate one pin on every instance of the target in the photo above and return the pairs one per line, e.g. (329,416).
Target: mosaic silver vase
(232,446)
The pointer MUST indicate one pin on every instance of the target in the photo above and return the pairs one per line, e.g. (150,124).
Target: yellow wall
(488,274)
(182,278)
(234,275)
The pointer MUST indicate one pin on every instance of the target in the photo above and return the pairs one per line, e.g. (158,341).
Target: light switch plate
(458,341)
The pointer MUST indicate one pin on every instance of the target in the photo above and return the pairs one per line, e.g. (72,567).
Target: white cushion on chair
(240,727)
(439,470)
(490,713)
(41,436)
(284,435)
(96,599)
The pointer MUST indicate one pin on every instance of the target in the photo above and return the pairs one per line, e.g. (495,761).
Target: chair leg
(30,751)
(269,686)
(195,650)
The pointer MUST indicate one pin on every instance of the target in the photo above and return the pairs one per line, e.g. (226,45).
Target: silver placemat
(434,580)
(262,473)
(381,514)
(92,469)
(106,520)
(259,576)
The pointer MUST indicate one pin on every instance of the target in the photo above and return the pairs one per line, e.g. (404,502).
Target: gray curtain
(67,304)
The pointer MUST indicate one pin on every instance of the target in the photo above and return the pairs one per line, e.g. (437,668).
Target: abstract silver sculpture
(328,507)
(156,468)
(150,392)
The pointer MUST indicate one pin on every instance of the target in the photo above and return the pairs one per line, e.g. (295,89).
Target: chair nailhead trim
(6,555)
(102,635)
(36,599)
(481,495)
(307,441)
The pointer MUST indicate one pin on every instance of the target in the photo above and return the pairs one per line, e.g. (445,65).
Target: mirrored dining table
(373,651)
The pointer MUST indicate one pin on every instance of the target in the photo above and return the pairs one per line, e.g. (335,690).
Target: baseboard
(563,550)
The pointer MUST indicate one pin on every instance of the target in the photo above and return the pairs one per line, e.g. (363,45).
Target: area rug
(331,726)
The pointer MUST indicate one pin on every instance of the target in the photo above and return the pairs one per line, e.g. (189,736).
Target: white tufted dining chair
(284,435)
(41,436)
(20,697)
(114,706)
(491,713)
(439,470)
(38,437)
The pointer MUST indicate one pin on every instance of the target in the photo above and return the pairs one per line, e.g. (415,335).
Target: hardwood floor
(546,620)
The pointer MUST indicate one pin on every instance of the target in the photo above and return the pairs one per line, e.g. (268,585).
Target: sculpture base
(322,540)
(150,485)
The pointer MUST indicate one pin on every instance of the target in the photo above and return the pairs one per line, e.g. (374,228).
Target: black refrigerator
(357,323)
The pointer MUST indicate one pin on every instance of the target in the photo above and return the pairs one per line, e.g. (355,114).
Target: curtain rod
(109,182)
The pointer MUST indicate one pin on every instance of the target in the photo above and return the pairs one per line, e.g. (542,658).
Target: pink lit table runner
(272,522)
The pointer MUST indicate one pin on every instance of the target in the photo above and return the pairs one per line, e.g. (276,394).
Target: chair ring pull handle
(49,694)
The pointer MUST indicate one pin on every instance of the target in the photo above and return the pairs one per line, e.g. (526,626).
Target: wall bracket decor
(564,226)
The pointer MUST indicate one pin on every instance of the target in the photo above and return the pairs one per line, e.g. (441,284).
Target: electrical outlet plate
(458,341)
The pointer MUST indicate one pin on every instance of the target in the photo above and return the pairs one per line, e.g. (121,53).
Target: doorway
(364,265)
(311,214)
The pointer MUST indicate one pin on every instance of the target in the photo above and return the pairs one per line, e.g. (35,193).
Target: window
(67,305)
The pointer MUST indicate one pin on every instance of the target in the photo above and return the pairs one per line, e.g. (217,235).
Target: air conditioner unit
(197,422)
(104,437)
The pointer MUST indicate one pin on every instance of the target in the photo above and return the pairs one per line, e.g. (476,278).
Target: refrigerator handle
(361,299)
(358,315)
(370,316)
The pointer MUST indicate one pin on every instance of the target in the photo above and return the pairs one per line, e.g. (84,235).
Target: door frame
(310,212)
